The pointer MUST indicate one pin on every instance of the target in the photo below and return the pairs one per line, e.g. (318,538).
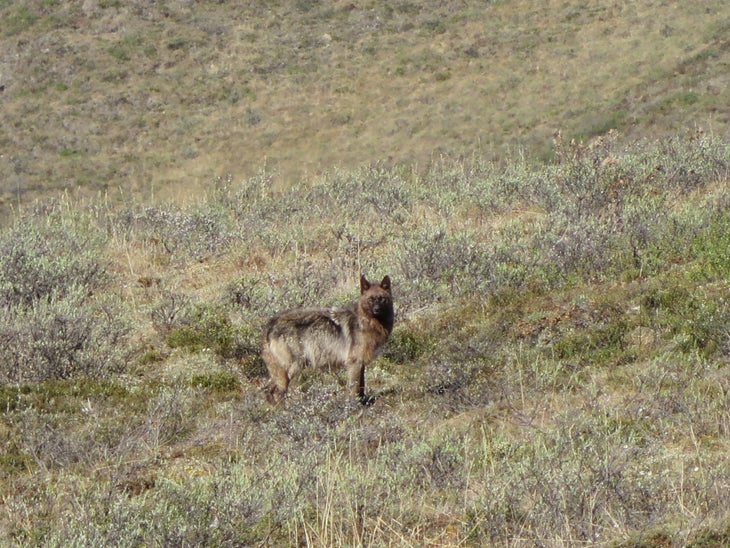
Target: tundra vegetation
(558,373)
(559,370)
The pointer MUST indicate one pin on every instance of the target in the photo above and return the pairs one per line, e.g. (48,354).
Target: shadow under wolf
(320,338)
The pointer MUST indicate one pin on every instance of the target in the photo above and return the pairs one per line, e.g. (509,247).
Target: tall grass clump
(55,319)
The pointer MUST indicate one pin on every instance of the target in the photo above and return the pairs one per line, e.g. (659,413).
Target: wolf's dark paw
(366,399)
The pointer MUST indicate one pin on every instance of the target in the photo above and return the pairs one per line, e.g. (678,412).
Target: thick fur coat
(319,338)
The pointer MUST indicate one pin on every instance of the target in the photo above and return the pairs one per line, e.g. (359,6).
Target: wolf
(348,337)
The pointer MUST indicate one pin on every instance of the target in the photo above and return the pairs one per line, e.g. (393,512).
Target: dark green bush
(407,345)
(217,381)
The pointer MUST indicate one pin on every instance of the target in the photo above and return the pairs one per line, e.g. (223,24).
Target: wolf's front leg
(356,382)
(356,378)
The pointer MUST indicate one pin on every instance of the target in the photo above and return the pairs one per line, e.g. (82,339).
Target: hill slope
(560,367)
(163,97)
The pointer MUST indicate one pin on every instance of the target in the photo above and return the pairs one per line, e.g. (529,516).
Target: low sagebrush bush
(384,193)
(51,325)
(181,233)
(686,162)
(310,283)
(167,312)
(37,263)
(250,293)
(59,339)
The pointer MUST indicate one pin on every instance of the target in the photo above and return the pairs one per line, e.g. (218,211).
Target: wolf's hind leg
(278,383)
(279,375)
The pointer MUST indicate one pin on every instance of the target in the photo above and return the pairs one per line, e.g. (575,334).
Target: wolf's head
(376,300)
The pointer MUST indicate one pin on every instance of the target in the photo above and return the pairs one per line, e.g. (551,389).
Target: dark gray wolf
(349,337)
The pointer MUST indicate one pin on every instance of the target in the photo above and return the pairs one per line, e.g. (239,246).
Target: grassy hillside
(559,372)
(156,99)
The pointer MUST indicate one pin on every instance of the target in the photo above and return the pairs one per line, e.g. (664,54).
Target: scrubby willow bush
(459,261)
(688,162)
(253,201)
(447,264)
(383,194)
(37,263)
(609,212)
(52,323)
(59,338)
(308,284)
(182,233)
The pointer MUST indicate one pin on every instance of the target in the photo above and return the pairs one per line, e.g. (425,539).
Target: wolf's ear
(385,284)
(364,284)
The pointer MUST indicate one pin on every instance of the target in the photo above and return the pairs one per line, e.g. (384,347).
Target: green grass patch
(408,345)
(206,327)
(220,382)
(19,20)
(59,396)
(70,153)
(119,53)
(594,345)
(177,43)
(711,246)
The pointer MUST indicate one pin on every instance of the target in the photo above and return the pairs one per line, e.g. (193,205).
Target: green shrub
(711,245)
(205,327)
(595,343)
(707,329)
(407,345)
(218,381)
(697,321)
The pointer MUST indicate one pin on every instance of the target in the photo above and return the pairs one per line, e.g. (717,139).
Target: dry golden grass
(157,101)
